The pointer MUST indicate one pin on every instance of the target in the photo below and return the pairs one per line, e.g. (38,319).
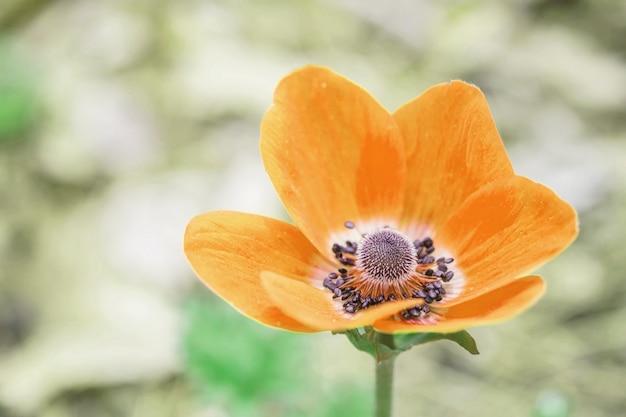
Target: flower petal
(498,305)
(313,306)
(452,148)
(228,250)
(504,230)
(333,154)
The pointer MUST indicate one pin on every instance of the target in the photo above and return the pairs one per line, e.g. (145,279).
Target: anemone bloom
(412,221)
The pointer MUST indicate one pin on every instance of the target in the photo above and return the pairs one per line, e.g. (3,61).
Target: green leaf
(463,338)
(367,340)
(360,341)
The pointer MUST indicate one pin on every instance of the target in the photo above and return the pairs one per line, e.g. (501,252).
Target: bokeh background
(121,119)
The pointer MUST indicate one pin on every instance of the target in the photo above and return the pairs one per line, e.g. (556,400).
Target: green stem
(384,378)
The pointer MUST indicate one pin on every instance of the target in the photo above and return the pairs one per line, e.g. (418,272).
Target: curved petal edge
(493,307)
(229,250)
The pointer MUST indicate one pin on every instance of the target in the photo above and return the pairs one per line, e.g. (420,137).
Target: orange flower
(408,222)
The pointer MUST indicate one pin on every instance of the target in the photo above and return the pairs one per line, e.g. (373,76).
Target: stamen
(385,265)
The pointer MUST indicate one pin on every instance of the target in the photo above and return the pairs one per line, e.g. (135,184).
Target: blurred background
(121,119)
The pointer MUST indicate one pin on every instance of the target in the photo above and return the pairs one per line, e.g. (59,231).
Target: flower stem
(384,378)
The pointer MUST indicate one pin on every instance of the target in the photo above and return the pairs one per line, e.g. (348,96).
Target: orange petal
(452,148)
(333,153)
(228,251)
(315,308)
(498,305)
(504,230)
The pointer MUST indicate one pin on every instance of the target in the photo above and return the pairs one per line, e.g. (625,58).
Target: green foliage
(463,339)
(366,339)
(348,400)
(232,353)
(17,97)
(250,369)
(369,341)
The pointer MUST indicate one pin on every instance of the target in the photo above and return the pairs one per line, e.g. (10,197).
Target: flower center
(385,265)
(386,254)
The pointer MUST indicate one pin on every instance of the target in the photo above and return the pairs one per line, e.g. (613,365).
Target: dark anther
(347,261)
(411,314)
(349,249)
(388,255)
